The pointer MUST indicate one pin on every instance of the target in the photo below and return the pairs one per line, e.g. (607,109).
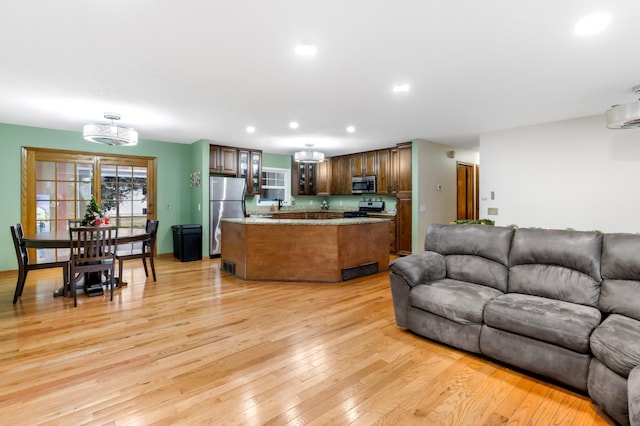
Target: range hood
(626,116)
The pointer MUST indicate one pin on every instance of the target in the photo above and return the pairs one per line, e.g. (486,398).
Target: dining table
(62,239)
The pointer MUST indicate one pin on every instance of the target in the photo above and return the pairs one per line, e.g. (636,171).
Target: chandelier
(110,134)
(308,156)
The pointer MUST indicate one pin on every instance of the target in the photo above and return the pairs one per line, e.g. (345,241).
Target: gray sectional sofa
(561,304)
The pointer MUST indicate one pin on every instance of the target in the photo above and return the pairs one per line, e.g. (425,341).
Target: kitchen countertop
(320,222)
(286,210)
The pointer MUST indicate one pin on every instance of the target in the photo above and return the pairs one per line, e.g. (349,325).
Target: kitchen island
(321,250)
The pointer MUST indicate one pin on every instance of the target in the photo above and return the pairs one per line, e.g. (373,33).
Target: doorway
(466,191)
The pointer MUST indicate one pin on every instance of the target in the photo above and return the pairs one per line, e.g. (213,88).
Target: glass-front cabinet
(250,169)
(304,178)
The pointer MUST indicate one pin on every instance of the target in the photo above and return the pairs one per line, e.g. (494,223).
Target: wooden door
(466,208)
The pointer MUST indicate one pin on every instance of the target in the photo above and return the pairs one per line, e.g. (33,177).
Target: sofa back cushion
(474,253)
(562,265)
(621,275)
(490,242)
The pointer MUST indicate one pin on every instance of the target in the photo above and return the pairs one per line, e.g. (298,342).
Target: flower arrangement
(93,216)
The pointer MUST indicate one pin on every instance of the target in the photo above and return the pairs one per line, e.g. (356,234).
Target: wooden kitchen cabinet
(404,199)
(387,171)
(403,223)
(250,169)
(303,178)
(340,175)
(323,178)
(404,167)
(364,163)
(223,160)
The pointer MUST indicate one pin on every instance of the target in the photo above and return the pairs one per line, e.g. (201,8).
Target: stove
(371,206)
(366,207)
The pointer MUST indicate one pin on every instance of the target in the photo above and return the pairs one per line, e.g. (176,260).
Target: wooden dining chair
(146,251)
(24,265)
(92,250)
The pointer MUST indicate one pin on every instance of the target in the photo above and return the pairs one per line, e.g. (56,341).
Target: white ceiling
(195,69)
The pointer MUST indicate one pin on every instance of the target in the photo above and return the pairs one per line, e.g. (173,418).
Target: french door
(57,186)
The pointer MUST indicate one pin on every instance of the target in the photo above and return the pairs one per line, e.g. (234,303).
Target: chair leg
(120,262)
(112,282)
(153,267)
(22,277)
(72,283)
(65,278)
(144,263)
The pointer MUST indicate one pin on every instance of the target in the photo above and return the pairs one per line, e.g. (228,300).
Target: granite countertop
(307,210)
(321,222)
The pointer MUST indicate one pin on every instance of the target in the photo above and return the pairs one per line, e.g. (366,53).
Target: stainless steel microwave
(363,185)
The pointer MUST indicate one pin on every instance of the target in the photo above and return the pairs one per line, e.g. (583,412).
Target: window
(276,184)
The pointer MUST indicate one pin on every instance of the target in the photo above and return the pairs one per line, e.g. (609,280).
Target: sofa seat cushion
(616,343)
(553,321)
(458,301)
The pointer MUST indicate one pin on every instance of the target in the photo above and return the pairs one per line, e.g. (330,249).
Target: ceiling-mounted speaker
(451,154)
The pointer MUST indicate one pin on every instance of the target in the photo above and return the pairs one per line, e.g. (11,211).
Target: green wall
(175,164)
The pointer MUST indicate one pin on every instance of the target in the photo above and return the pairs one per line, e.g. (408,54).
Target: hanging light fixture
(110,134)
(308,156)
(626,116)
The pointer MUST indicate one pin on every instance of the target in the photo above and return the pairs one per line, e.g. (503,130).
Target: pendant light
(110,134)
(308,156)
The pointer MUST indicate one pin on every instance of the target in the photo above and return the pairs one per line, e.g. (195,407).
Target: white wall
(432,167)
(569,174)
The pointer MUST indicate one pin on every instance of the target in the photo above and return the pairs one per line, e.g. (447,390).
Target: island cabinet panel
(392,230)
(264,249)
(234,243)
(310,249)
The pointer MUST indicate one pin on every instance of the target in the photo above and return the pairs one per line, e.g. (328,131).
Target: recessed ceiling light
(251,129)
(351,129)
(293,125)
(306,50)
(399,88)
(592,24)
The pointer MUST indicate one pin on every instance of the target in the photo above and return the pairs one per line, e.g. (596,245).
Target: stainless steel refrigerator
(226,200)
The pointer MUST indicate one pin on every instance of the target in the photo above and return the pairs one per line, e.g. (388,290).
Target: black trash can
(187,242)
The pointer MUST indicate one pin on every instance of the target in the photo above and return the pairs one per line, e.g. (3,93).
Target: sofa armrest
(633,391)
(420,268)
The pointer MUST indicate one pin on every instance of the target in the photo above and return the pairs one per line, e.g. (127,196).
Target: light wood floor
(200,346)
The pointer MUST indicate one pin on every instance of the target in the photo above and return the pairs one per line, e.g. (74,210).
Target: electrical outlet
(169,207)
